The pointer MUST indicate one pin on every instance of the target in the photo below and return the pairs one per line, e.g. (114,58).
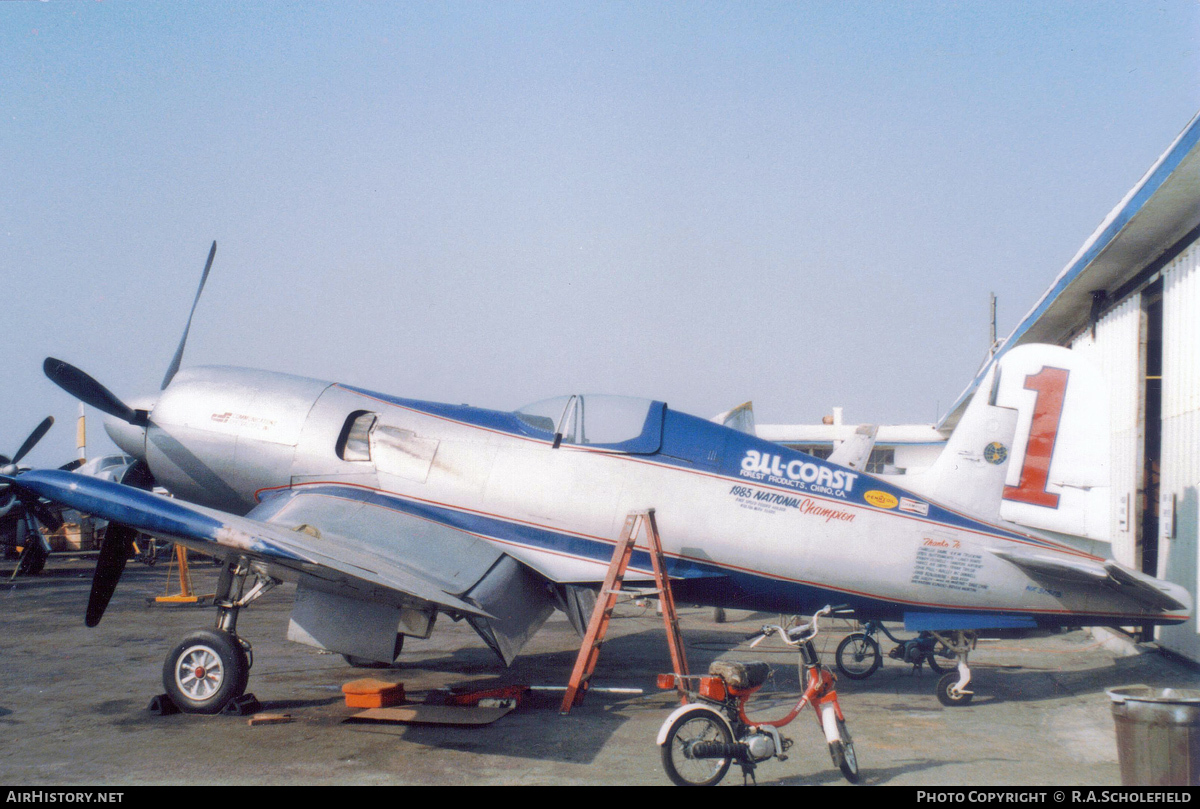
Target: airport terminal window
(354,442)
(619,422)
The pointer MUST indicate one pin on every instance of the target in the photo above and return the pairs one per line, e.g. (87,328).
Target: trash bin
(1158,735)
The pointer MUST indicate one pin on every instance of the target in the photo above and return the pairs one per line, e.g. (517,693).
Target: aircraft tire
(691,727)
(947,694)
(858,656)
(843,755)
(33,561)
(205,671)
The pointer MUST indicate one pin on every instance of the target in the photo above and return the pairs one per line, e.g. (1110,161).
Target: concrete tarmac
(73,702)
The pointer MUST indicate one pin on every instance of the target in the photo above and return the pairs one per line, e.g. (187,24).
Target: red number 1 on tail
(1050,384)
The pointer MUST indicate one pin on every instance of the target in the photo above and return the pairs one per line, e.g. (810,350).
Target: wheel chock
(163,705)
(245,705)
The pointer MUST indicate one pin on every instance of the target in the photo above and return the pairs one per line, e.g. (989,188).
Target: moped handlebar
(794,636)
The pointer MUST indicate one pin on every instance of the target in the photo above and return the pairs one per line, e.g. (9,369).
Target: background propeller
(22,510)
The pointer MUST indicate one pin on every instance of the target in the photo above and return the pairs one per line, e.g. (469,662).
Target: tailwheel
(948,692)
(206,671)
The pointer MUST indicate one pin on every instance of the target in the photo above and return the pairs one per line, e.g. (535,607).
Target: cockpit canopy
(613,423)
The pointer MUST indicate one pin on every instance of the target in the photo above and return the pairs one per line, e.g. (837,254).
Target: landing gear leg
(953,687)
(210,668)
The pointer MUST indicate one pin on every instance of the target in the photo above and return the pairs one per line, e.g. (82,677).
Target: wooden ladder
(589,652)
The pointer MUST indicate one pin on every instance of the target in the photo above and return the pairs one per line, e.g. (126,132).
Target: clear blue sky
(803,204)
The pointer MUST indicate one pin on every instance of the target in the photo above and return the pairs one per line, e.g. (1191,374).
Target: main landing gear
(210,668)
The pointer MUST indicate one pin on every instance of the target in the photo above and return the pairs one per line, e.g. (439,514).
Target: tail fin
(739,418)
(1059,480)
(970,473)
(855,451)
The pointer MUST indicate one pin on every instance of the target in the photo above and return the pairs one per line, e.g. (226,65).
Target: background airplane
(389,512)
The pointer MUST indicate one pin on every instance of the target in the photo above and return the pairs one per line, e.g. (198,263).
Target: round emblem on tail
(995,453)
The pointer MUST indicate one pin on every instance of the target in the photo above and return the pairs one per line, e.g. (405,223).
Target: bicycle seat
(740,675)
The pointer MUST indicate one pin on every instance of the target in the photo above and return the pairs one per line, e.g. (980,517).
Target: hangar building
(1130,300)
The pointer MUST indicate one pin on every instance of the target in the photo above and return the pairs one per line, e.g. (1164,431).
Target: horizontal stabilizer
(1056,567)
(1152,592)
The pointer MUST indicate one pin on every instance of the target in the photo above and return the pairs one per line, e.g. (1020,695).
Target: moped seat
(740,675)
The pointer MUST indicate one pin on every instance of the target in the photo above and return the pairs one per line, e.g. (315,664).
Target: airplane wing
(306,549)
(1138,586)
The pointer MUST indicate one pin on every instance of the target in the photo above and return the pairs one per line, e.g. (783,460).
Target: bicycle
(858,655)
(702,738)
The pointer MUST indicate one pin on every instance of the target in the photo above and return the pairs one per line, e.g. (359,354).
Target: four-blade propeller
(24,508)
(118,539)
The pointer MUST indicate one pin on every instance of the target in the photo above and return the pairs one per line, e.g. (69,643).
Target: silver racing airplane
(389,512)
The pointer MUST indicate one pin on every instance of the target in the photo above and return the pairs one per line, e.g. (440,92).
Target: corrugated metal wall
(1181,438)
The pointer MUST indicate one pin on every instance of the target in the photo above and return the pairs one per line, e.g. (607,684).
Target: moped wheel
(858,656)
(682,768)
(842,753)
(941,659)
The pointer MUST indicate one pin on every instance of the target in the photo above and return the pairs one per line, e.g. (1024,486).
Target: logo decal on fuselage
(995,453)
(797,474)
(881,499)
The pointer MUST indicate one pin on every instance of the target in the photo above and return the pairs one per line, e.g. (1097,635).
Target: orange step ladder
(589,652)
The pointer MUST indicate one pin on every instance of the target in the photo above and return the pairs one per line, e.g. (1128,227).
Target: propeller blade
(43,513)
(114,552)
(71,466)
(89,391)
(33,438)
(174,367)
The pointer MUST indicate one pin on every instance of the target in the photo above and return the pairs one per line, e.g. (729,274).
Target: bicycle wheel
(858,656)
(842,753)
(682,768)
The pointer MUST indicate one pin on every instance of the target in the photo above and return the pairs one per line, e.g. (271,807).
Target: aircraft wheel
(948,693)
(33,561)
(858,656)
(682,768)
(205,671)
(842,753)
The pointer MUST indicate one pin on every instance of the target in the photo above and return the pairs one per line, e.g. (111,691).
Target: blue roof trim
(1149,187)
